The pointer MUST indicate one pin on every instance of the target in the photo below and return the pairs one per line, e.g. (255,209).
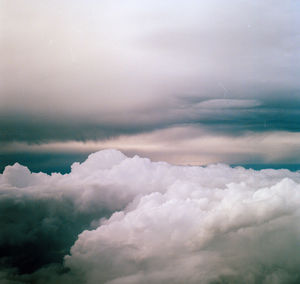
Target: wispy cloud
(184,145)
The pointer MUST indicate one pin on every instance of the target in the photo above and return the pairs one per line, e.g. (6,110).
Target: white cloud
(238,231)
(172,224)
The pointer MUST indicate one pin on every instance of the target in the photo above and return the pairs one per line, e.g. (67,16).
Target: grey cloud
(115,68)
(227,103)
(227,116)
(35,129)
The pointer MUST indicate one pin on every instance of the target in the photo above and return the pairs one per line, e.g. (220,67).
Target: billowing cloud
(192,234)
(130,220)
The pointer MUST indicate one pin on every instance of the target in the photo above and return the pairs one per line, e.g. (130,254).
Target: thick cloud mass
(94,71)
(130,220)
(98,69)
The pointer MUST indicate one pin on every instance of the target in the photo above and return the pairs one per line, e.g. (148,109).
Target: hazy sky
(190,82)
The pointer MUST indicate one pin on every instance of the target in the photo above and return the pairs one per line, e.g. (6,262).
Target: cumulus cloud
(191,234)
(115,219)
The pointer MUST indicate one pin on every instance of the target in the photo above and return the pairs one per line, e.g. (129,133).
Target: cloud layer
(104,70)
(98,69)
(115,219)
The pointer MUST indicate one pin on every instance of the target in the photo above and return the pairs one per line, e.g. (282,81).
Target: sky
(149,142)
(193,82)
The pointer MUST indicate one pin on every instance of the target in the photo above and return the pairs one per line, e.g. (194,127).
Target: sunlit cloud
(115,219)
(185,145)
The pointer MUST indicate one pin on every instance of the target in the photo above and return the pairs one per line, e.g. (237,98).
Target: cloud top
(130,220)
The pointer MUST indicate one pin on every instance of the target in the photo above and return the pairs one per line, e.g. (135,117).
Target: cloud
(188,144)
(223,103)
(217,116)
(192,234)
(130,220)
(160,79)
(100,69)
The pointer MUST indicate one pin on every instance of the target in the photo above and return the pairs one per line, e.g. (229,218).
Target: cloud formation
(130,220)
(181,145)
(107,68)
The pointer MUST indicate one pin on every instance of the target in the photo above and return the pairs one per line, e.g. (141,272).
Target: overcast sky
(189,82)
